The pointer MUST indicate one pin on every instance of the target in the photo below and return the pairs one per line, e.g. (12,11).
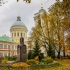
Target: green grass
(64,64)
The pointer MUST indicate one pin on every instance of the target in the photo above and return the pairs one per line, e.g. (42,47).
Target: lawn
(64,64)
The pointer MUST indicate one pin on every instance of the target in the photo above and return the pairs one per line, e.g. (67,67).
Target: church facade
(17,30)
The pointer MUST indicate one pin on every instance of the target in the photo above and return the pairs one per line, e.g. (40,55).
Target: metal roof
(3,39)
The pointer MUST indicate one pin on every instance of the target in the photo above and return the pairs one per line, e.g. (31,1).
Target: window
(21,34)
(1,54)
(1,46)
(5,46)
(9,54)
(12,53)
(13,47)
(14,34)
(8,46)
(17,34)
(5,54)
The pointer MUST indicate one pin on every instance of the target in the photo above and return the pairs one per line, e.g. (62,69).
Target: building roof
(3,39)
(42,10)
(18,22)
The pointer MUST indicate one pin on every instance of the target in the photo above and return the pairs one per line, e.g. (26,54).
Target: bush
(37,58)
(68,57)
(48,60)
(12,58)
(1,58)
(30,62)
(4,61)
(41,56)
(20,64)
(30,54)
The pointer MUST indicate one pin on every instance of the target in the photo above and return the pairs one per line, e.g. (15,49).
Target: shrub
(14,58)
(37,58)
(30,62)
(48,60)
(4,61)
(69,57)
(20,64)
(30,54)
(41,56)
(10,58)
(1,58)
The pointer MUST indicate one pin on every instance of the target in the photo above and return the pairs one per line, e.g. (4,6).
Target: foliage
(4,61)
(30,54)
(69,57)
(37,58)
(31,61)
(41,56)
(63,64)
(48,60)
(11,58)
(36,49)
(20,64)
(1,58)
(51,52)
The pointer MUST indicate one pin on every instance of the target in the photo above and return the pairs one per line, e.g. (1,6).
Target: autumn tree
(50,28)
(55,17)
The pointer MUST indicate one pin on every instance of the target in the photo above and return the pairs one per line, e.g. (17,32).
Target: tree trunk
(58,55)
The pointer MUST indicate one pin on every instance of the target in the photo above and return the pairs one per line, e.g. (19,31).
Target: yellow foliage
(37,58)
(31,61)
(4,61)
(48,60)
(20,64)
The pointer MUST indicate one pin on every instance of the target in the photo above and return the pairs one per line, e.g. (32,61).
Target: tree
(30,54)
(36,49)
(55,20)
(50,28)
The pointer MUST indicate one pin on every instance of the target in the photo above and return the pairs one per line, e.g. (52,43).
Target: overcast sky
(10,10)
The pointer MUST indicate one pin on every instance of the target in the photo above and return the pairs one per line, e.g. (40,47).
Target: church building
(17,30)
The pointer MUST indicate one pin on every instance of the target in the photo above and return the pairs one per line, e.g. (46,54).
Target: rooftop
(3,39)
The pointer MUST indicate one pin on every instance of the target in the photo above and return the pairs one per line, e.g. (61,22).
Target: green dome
(18,22)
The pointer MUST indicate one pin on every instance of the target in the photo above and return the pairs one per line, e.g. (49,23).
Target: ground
(64,65)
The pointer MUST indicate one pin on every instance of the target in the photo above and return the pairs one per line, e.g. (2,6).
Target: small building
(7,47)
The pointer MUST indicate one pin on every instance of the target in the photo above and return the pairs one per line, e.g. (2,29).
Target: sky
(10,10)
